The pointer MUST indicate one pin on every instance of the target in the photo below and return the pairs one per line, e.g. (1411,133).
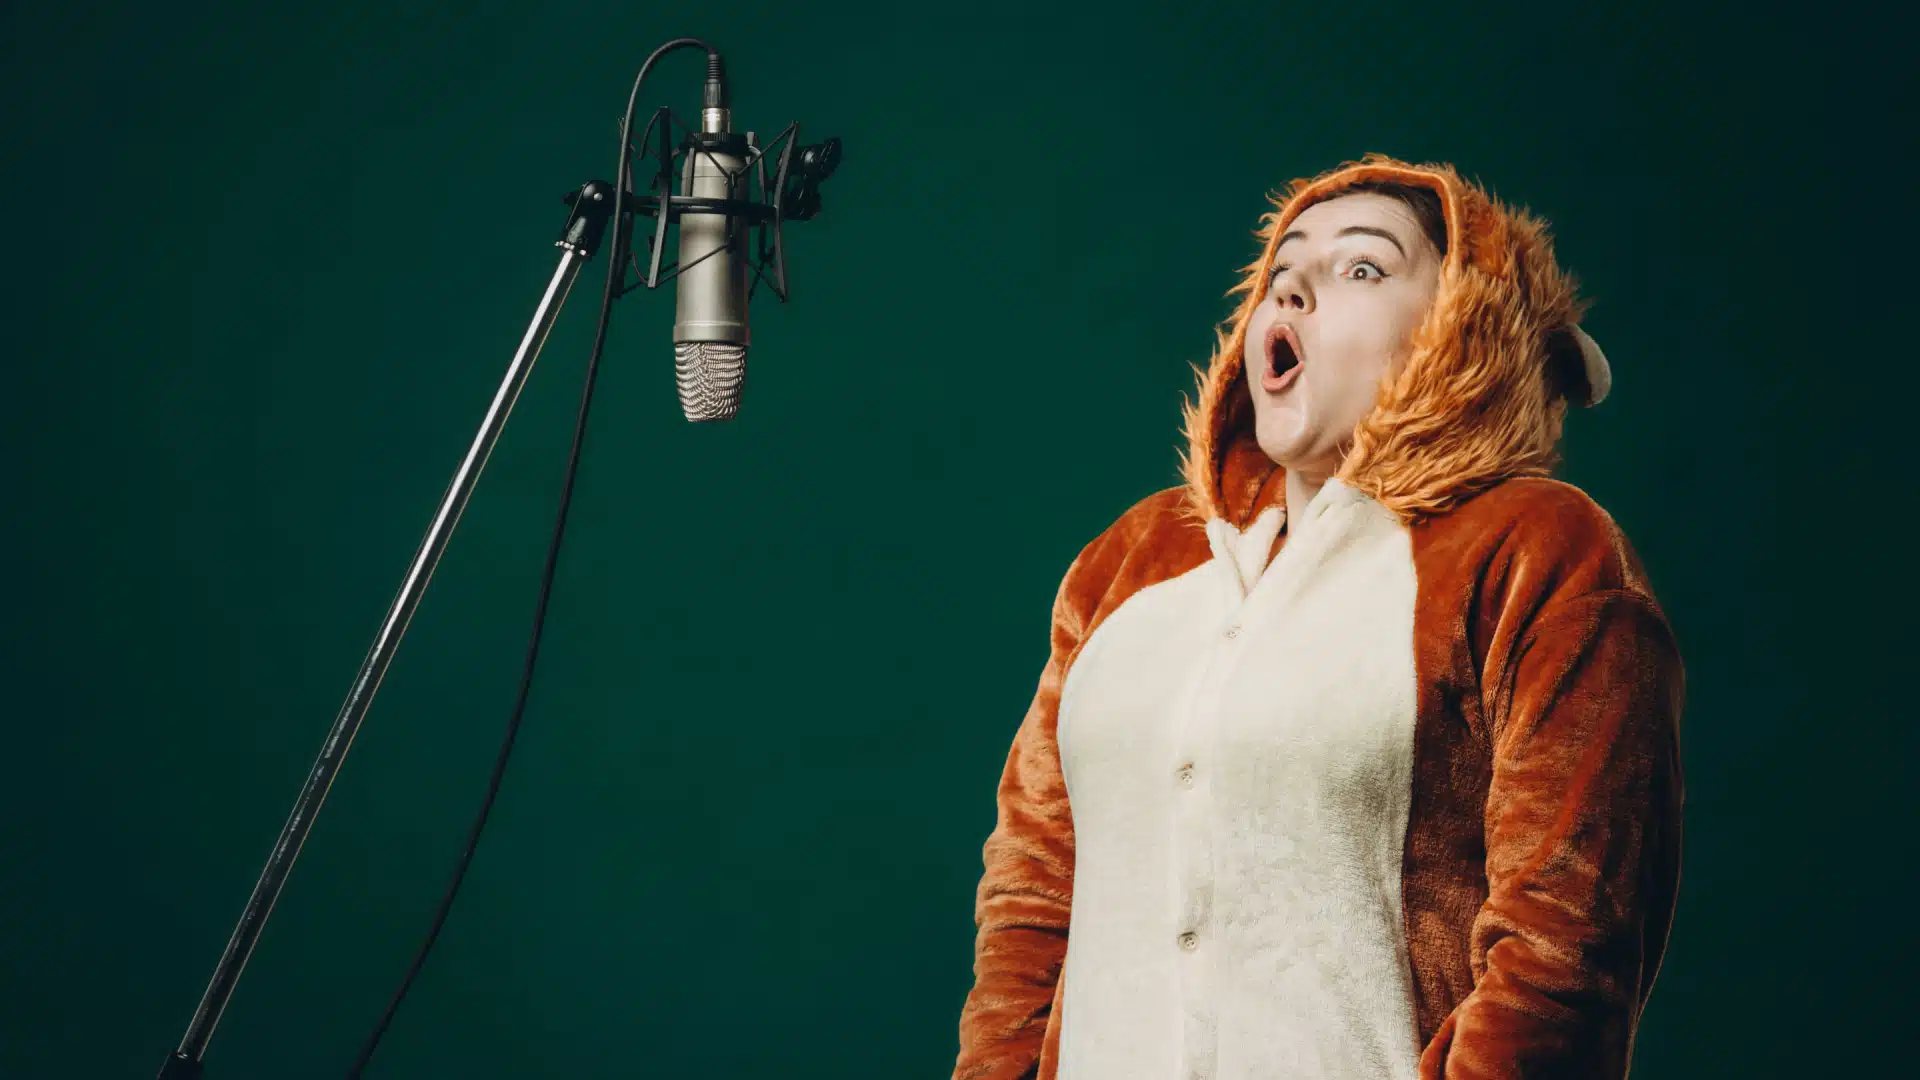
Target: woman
(1357,752)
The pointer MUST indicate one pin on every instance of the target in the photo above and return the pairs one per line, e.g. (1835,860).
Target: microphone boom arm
(592,208)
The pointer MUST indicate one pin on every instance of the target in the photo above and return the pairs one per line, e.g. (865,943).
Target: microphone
(710,326)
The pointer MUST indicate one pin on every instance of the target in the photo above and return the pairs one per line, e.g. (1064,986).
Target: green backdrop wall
(269,261)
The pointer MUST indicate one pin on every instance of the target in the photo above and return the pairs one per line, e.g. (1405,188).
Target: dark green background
(268,262)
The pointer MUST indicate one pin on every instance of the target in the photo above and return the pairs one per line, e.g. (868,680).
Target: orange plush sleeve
(1026,891)
(1582,823)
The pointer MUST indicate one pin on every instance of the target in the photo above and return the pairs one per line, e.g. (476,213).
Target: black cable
(616,270)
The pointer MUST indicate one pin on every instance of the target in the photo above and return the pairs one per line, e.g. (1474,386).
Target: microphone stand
(796,192)
(592,207)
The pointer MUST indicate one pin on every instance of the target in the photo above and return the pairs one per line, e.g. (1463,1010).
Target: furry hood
(1482,395)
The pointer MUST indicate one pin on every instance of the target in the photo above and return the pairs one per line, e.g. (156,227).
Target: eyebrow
(1351,230)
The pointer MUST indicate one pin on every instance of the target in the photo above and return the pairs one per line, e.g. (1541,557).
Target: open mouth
(1284,357)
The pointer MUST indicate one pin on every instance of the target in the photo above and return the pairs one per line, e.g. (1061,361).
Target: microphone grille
(710,374)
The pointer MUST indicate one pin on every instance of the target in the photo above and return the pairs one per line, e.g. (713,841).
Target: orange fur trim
(1470,406)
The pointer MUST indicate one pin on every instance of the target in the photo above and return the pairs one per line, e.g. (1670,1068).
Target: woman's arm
(1026,891)
(1583,833)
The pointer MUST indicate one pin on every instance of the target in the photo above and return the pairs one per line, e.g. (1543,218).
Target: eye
(1355,267)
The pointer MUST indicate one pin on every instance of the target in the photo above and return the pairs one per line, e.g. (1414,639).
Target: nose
(1290,290)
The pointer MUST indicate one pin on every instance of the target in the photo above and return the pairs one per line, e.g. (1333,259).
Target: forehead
(1321,220)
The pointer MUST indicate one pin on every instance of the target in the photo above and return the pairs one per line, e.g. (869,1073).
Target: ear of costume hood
(1593,364)
(1502,310)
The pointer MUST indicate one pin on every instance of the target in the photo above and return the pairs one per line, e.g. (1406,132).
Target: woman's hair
(1424,203)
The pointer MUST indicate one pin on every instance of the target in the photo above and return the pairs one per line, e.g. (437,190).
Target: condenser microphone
(710,324)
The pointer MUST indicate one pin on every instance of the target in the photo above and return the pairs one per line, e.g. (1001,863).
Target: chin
(1282,434)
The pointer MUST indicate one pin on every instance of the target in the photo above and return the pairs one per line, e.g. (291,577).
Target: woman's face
(1352,279)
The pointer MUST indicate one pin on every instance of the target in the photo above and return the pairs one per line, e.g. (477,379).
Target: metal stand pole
(592,207)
